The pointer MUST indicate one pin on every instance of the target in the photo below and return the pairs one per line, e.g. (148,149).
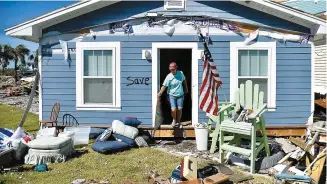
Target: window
(174,4)
(256,62)
(98,76)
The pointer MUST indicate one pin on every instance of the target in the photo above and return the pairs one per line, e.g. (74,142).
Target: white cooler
(81,134)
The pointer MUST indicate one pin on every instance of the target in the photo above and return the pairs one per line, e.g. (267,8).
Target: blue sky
(16,12)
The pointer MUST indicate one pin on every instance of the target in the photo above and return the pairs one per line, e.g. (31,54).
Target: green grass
(10,117)
(132,165)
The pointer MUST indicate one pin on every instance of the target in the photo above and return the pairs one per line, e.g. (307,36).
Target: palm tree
(34,58)
(19,53)
(5,56)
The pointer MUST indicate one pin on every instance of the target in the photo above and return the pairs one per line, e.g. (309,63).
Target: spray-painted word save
(138,80)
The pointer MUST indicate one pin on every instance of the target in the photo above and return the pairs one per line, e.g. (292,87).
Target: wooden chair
(248,97)
(69,120)
(53,117)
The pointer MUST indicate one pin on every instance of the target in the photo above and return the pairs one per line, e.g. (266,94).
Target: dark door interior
(183,58)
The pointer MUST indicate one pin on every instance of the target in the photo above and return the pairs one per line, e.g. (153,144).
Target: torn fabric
(276,35)
(64,47)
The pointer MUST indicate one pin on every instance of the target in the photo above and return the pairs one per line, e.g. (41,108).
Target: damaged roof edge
(317,25)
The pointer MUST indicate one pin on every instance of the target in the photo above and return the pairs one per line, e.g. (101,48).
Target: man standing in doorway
(176,86)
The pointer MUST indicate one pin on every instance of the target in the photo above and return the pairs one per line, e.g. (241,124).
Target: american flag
(210,83)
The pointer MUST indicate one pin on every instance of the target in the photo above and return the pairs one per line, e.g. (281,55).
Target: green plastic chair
(248,97)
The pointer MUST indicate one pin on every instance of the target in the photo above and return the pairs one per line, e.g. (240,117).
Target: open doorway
(183,58)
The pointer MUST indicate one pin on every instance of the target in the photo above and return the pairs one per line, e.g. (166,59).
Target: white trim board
(195,59)
(40,83)
(271,47)
(310,119)
(115,46)
(54,17)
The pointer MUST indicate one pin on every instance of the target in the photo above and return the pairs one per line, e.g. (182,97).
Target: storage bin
(81,134)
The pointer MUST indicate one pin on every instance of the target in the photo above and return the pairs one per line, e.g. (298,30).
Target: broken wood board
(316,169)
(217,178)
(286,146)
(302,144)
(322,138)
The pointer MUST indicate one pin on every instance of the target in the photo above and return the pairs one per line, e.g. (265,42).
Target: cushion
(131,121)
(129,141)
(109,146)
(118,127)
(49,143)
(104,136)
(95,132)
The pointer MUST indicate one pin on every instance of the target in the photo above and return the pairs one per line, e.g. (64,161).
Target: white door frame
(155,86)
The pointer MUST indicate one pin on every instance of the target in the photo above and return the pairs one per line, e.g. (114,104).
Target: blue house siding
(225,10)
(293,91)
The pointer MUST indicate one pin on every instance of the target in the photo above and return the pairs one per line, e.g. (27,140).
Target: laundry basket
(201,136)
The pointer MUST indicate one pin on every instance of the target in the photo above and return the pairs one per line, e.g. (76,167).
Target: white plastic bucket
(201,136)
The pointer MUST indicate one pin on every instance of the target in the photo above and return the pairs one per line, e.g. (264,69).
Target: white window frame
(115,47)
(271,48)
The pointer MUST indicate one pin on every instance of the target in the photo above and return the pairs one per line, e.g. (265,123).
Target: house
(317,8)
(103,60)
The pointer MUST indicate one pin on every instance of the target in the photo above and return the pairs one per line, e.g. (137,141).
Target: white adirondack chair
(248,97)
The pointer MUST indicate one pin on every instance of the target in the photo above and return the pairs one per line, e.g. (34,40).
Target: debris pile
(17,94)
(10,88)
(6,81)
(189,172)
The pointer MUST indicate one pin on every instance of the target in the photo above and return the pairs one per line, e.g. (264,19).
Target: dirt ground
(184,148)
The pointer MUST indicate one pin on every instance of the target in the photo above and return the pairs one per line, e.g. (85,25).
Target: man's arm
(185,86)
(163,88)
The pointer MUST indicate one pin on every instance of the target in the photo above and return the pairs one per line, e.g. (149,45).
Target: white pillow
(119,127)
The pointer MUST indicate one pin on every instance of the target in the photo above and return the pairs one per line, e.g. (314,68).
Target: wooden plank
(256,97)
(300,143)
(215,179)
(316,170)
(242,95)
(238,150)
(174,133)
(285,131)
(248,94)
